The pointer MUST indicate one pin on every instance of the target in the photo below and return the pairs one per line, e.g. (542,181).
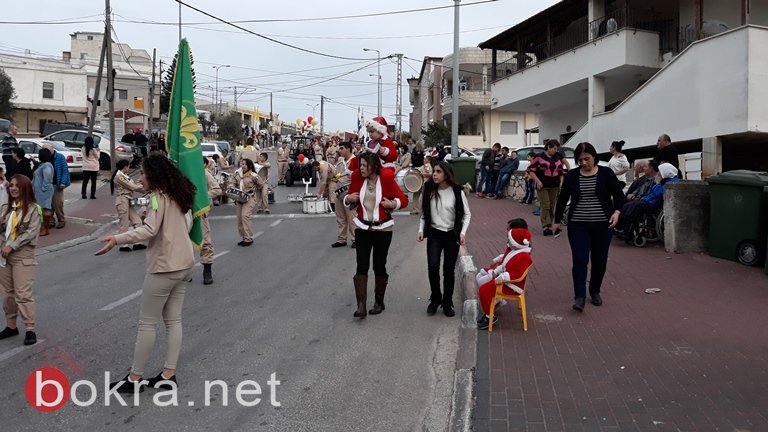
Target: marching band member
(249,183)
(282,163)
(20,222)
(426,173)
(344,216)
(375,194)
(262,192)
(127,216)
(326,173)
(380,142)
(206,252)
(331,153)
(318,150)
(249,152)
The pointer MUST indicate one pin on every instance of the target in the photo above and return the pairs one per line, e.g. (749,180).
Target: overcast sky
(261,65)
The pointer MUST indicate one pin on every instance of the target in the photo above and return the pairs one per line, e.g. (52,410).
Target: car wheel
(105,164)
(747,253)
(288,178)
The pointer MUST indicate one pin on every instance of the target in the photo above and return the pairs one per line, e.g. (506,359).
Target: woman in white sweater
(444,221)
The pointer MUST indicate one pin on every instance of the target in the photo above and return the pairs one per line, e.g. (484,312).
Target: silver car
(73,138)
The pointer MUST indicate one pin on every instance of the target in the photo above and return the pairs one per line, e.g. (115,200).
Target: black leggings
(89,175)
(442,243)
(378,241)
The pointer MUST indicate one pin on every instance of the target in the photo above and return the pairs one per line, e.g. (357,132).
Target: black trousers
(376,241)
(89,175)
(589,241)
(445,244)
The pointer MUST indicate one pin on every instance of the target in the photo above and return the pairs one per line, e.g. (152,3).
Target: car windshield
(567,152)
(208,147)
(4,125)
(523,152)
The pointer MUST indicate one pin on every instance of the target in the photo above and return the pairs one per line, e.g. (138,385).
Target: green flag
(183,138)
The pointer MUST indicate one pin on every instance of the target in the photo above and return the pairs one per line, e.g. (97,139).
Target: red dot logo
(47,389)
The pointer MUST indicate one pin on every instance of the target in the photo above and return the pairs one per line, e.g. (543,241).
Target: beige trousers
(58,206)
(206,252)
(416,203)
(244,219)
(162,297)
(262,198)
(282,168)
(127,215)
(548,200)
(345,221)
(17,279)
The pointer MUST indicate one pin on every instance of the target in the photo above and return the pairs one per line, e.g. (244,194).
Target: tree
(166,84)
(204,123)
(436,133)
(230,126)
(7,94)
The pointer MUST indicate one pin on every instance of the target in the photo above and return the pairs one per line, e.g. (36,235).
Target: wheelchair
(647,228)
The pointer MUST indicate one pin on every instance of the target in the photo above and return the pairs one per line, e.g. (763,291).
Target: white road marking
(258,234)
(12,352)
(275,223)
(197,264)
(123,300)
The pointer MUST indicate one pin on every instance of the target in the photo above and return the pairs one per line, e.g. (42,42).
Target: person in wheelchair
(633,211)
(642,183)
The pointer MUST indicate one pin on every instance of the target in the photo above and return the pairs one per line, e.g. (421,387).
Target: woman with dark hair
(20,222)
(90,166)
(127,216)
(42,184)
(596,199)
(248,182)
(444,221)
(619,163)
(23,165)
(375,195)
(403,157)
(170,260)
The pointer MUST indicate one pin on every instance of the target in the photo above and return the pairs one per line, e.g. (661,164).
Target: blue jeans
(501,182)
(530,191)
(483,177)
(490,181)
(588,240)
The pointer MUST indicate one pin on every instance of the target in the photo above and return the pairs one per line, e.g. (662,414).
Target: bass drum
(409,180)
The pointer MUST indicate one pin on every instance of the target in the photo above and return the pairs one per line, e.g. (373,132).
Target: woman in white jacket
(90,166)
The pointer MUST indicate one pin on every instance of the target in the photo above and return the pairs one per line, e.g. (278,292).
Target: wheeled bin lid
(740,177)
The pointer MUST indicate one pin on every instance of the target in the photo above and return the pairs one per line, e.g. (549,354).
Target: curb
(101,231)
(463,404)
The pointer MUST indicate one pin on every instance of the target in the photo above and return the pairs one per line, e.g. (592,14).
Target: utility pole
(97,90)
(322,105)
(110,86)
(152,92)
(271,122)
(455,98)
(179,22)
(235,98)
(399,115)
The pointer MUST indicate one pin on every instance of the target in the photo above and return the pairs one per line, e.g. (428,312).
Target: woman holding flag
(170,261)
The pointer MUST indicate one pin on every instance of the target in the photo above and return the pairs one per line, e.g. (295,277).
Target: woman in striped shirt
(596,199)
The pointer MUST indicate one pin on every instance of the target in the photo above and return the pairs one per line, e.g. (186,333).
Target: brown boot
(381,288)
(361,293)
(46,221)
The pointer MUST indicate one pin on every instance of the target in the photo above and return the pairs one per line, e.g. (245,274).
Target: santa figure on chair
(509,269)
(380,142)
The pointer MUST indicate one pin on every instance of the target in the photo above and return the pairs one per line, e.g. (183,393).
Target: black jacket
(609,193)
(457,223)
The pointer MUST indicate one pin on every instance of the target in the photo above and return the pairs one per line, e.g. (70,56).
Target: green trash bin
(738,228)
(464,170)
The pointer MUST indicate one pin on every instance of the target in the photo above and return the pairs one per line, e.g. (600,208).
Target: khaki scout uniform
(344,216)
(426,172)
(262,192)
(249,184)
(214,191)
(124,189)
(326,173)
(318,149)
(282,164)
(249,152)
(332,154)
(17,277)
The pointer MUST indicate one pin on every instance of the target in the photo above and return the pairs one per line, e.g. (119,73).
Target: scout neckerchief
(10,230)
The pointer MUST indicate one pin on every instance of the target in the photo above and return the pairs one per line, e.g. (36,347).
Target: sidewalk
(693,357)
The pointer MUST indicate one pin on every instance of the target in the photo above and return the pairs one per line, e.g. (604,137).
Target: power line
(120,47)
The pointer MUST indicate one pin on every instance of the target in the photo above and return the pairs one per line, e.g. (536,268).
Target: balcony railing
(581,31)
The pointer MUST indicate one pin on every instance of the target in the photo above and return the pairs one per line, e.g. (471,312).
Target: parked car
(76,139)
(224,145)
(4,126)
(522,155)
(53,127)
(210,149)
(73,157)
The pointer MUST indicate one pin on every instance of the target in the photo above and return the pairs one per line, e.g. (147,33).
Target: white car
(32,146)
(210,149)
(75,139)
(522,155)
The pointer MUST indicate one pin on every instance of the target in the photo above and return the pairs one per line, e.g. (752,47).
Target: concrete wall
(686,217)
(69,85)
(553,123)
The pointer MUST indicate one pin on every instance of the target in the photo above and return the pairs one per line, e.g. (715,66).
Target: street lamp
(378,70)
(313,108)
(218,105)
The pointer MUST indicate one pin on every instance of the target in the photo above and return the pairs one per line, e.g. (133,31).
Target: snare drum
(342,187)
(409,180)
(138,202)
(237,195)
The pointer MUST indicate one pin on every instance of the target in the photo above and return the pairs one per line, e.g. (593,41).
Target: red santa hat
(519,238)
(379,124)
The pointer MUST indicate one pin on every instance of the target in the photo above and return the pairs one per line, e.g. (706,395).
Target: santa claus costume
(380,142)
(511,267)
(373,194)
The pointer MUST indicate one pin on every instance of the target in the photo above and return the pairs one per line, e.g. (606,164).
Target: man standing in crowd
(129,137)
(282,163)
(140,140)
(249,152)
(263,198)
(61,181)
(344,216)
(667,152)
(486,167)
(9,143)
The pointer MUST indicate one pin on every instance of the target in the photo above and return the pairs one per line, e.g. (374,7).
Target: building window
(122,94)
(47,90)
(508,128)
(90,37)
(83,56)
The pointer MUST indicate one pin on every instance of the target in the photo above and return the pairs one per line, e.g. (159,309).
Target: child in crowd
(530,187)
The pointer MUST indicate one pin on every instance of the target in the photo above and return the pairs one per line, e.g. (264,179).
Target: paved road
(283,306)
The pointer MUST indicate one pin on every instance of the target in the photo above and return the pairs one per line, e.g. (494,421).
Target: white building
(424,95)
(599,71)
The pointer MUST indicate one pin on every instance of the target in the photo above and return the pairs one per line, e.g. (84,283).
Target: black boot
(361,294)
(207,276)
(379,290)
